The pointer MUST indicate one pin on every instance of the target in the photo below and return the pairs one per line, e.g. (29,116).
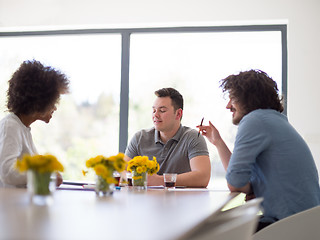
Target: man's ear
(179,113)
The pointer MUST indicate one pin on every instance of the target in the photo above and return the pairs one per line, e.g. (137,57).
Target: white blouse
(15,141)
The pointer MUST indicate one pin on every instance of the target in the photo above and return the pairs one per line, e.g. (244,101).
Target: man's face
(236,109)
(163,115)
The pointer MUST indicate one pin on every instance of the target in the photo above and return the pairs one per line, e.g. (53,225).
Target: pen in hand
(200,126)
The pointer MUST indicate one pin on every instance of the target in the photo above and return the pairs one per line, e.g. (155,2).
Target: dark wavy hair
(35,88)
(176,97)
(253,89)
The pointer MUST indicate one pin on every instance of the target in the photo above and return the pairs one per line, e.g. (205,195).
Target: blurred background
(87,121)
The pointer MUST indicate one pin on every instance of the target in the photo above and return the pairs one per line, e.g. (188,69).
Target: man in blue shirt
(270,159)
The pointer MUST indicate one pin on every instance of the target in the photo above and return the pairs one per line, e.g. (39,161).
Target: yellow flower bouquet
(39,168)
(104,168)
(39,163)
(140,166)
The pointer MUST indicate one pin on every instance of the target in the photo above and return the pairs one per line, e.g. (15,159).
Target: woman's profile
(33,93)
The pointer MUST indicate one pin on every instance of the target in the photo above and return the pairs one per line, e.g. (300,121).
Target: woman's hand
(59,179)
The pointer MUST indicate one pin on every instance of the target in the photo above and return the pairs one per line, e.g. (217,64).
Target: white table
(127,214)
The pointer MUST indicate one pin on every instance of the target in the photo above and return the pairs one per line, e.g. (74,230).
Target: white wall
(302,17)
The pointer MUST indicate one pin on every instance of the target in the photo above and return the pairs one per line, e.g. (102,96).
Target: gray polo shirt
(175,155)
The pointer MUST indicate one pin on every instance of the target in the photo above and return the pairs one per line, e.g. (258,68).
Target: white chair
(301,226)
(238,223)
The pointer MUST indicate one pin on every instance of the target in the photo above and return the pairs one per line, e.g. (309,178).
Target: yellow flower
(104,166)
(117,157)
(100,169)
(144,160)
(112,159)
(143,164)
(93,161)
(151,164)
(39,163)
(119,165)
(54,164)
(21,165)
(154,170)
(84,173)
(136,177)
(111,180)
(139,170)
(131,165)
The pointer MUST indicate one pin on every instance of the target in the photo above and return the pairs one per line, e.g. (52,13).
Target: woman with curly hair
(34,90)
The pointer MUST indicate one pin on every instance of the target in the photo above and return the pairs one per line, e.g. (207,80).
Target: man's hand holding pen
(210,132)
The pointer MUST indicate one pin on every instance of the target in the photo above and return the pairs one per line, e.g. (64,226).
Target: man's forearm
(189,179)
(224,153)
(193,179)
(245,189)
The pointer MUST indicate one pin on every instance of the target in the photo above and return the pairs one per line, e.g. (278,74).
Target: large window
(194,63)
(87,120)
(114,74)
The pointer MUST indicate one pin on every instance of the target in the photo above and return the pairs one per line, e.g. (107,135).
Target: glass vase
(40,186)
(139,180)
(103,188)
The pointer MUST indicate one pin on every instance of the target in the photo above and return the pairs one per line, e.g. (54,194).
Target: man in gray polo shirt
(178,149)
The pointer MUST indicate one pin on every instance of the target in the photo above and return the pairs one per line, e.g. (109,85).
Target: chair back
(238,223)
(304,225)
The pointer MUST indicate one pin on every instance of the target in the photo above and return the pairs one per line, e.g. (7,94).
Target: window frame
(125,56)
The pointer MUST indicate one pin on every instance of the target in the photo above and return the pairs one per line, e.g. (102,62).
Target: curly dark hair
(35,88)
(253,89)
(176,97)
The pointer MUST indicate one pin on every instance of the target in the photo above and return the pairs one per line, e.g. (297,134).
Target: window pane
(87,120)
(194,63)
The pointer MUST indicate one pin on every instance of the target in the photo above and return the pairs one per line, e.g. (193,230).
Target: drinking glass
(170,180)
